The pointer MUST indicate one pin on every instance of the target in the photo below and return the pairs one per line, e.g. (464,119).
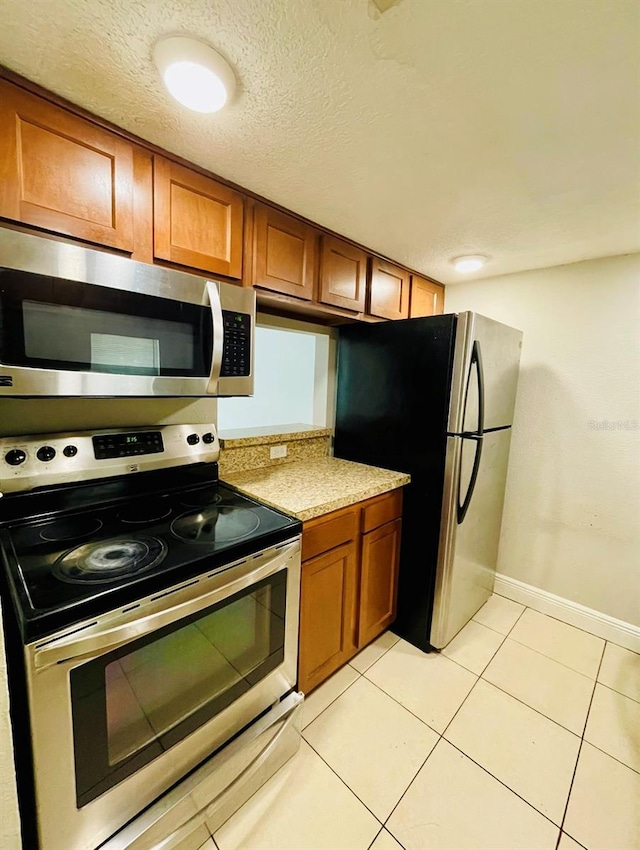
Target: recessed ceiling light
(470,263)
(195,75)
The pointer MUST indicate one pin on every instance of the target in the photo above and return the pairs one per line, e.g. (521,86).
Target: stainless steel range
(158,614)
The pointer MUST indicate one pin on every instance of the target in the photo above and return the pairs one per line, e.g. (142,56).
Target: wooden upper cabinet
(63,173)
(343,274)
(389,290)
(284,253)
(427,298)
(197,221)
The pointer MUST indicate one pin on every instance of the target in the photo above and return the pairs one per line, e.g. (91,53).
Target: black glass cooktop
(88,557)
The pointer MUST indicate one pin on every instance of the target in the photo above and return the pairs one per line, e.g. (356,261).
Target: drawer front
(327,532)
(381,509)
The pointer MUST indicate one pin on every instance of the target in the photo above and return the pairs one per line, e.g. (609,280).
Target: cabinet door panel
(427,298)
(327,614)
(343,274)
(389,290)
(62,173)
(197,221)
(284,256)
(378,580)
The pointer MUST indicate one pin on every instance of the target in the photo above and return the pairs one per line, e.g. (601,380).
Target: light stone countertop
(309,488)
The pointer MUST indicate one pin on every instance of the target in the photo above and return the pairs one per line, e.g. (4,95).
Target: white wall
(571,523)
(294,375)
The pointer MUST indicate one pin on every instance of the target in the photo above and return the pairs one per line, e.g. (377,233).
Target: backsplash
(252,449)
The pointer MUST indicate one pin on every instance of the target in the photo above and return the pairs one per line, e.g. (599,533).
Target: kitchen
(569,538)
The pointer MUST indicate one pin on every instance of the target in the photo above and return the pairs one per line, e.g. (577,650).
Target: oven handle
(217,330)
(75,646)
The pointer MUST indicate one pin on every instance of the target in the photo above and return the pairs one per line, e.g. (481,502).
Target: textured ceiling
(441,127)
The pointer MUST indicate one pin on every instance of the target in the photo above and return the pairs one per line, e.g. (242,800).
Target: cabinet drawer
(327,532)
(381,509)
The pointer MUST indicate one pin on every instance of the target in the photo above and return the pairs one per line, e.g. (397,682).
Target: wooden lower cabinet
(327,614)
(349,584)
(378,580)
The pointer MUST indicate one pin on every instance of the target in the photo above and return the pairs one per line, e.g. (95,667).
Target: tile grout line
(616,691)
(502,782)
(575,769)
(526,705)
(360,675)
(349,789)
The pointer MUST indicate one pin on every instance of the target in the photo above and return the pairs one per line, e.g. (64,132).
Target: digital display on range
(127,445)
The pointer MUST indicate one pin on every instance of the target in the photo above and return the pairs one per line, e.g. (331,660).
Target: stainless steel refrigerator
(435,397)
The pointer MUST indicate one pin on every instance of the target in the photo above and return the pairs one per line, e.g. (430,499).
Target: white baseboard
(617,631)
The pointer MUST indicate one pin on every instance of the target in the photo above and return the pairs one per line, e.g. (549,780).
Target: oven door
(124,707)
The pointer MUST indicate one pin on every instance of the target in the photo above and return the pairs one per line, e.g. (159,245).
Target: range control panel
(127,445)
(43,460)
(236,347)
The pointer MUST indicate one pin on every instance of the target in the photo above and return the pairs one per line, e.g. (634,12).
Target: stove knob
(208,438)
(15,457)
(70,451)
(193,439)
(46,453)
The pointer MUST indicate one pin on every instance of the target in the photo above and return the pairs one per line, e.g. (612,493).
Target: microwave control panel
(236,347)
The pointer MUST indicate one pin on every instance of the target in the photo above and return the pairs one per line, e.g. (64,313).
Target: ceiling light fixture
(194,73)
(469,263)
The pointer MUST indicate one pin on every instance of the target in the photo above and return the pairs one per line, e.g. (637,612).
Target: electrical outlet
(277,451)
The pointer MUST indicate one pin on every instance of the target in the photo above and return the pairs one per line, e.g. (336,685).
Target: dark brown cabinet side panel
(388,290)
(62,173)
(327,614)
(284,253)
(427,298)
(197,221)
(378,580)
(343,274)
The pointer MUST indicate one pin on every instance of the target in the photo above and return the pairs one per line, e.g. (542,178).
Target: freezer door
(498,349)
(468,546)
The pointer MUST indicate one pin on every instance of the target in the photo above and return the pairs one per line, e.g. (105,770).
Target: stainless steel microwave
(79,322)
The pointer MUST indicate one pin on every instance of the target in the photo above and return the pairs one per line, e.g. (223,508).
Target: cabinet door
(343,274)
(63,173)
(427,298)
(389,290)
(327,614)
(197,221)
(378,580)
(284,253)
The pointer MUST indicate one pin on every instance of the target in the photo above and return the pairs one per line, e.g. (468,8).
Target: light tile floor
(523,734)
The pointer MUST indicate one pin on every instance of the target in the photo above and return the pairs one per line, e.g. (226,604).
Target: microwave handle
(217,330)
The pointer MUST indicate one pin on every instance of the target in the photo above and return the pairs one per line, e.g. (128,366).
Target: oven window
(134,703)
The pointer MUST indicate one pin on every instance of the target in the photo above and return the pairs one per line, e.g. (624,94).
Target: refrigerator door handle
(464,507)
(476,360)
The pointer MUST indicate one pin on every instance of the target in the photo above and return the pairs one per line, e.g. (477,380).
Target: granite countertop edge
(255,484)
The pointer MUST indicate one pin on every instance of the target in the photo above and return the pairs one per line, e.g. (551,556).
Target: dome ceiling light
(469,263)
(194,73)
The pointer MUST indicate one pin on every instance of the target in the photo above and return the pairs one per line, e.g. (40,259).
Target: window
(294,378)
